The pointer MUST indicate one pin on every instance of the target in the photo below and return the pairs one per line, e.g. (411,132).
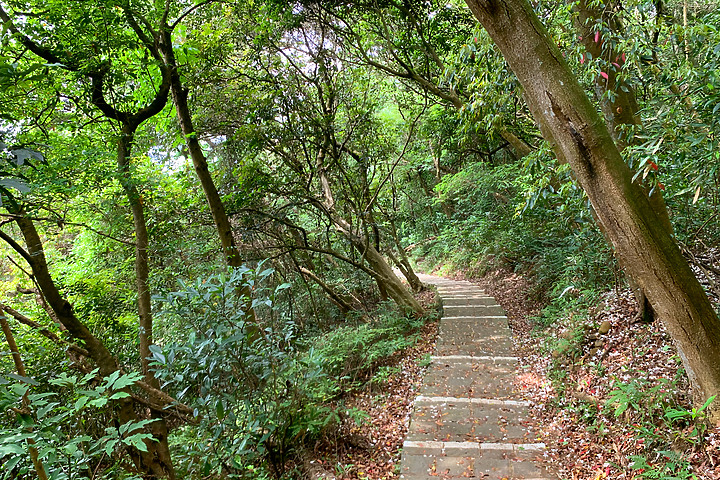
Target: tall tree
(159,40)
(97,68)
(644,246)
(310,125)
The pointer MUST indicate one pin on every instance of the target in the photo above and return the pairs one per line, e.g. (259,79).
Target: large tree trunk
(142,271)
(643,245)
(402,261)
(63,309)
(217,209)
(223,226)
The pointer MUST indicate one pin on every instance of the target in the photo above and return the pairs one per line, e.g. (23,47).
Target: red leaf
(604,75)
(582,59)
(597,36)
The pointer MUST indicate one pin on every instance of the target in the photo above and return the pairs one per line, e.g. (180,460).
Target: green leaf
(118,395)
(707,403)
(137,441)
(99,402)
(12,463)
(126,380)
(22,379)
(14,183)
(110,446)
(80,403)
(110,380)
(11,448)
(42,411)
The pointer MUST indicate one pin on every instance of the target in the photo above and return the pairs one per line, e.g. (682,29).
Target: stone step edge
(481,306)
(484,338)
(472,358)
(495,315)
(465,446)
(463,292)
(465,296)
(423,400)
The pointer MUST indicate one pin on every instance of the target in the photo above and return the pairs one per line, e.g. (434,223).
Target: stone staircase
(468,421)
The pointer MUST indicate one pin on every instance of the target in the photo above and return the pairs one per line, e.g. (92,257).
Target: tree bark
(402,261)
(217,209)
(142,271)
(231,253)
(35,256)
(645,247)
(162,464)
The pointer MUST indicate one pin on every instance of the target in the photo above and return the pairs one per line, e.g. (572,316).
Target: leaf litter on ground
(577,449)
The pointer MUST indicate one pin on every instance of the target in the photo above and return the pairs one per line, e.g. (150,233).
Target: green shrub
(260,391)
(349,353)
(70,426)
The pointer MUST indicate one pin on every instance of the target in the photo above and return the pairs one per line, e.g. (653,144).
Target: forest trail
(468,421)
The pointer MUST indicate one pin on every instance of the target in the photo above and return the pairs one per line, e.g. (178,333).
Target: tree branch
(43,330)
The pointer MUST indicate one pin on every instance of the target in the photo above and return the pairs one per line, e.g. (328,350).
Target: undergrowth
(627,396)
(264,393)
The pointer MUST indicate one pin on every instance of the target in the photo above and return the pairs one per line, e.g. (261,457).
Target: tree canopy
(212,211)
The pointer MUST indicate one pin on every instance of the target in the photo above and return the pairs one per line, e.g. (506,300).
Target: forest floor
(575,416)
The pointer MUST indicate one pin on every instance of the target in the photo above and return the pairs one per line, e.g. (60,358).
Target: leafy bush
(259,390)
(350,353)
(62,426)
(254,396)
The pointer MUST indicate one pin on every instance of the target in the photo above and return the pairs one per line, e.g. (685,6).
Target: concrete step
(471,379)
(462,301)
(460,291)
(469,420)
(476,336)
(472,310)
(462,460)
(476,327)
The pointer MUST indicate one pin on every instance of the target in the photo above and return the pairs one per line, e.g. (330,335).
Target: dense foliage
(348,142)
